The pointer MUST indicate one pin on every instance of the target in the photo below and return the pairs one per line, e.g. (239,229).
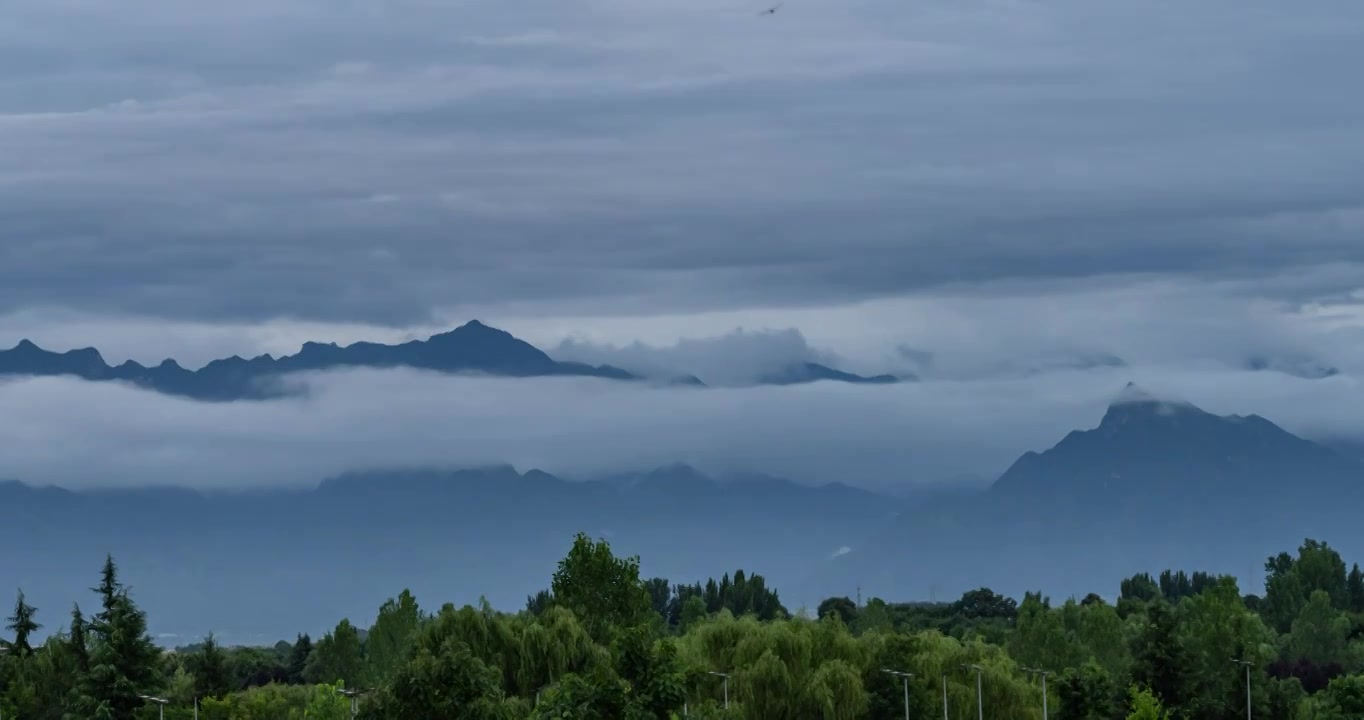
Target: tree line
(602,643)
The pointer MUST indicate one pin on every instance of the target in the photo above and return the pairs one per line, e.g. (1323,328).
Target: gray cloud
(1009,330)
(82,435)
(392,163)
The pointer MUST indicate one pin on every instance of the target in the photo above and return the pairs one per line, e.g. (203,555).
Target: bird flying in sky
(772,10)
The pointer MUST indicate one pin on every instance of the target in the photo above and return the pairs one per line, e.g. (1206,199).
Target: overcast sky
(1006,198)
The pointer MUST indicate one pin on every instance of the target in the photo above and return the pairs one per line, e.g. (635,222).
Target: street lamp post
(161,705)
(354,695)
(1246,663)
(944,696)
(980,700)
(1044,674)
(904,676)
(3,650)
(726,678)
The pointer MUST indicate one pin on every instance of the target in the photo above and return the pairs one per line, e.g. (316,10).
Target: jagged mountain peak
(473,347)
(475,329)
(476,325)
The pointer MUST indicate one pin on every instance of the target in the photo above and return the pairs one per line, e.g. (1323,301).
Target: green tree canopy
(387,644)
(338,657)
(1320,633)
(209,669)
(1145,706)
(601,589)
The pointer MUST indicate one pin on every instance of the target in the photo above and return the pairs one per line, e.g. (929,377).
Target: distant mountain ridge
(813,372)
(1157,484)
(472,347)
(276,562)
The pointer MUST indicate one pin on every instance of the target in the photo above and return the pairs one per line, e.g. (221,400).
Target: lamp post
(980,705)
(161,704)
(1246,663)
(904,676)
(726,678)
(1044,674)
(354,695)
(944,695)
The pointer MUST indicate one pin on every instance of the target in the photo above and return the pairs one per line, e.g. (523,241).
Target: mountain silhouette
(808,372)
(1159,483)
(470,348)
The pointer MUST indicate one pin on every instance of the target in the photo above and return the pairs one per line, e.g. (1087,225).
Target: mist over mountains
(1156,484)
(470,348)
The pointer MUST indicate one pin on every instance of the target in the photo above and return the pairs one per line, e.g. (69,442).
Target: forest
(602,643)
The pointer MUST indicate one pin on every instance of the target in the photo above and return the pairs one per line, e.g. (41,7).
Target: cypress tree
(124,662)
(298,658)
(77,641)
(209,667)
(23,626)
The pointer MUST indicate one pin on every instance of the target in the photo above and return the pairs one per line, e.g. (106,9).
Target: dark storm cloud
(383,161)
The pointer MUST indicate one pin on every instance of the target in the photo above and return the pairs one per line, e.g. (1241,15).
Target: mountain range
(470,348)
(1157,484)
(265,564)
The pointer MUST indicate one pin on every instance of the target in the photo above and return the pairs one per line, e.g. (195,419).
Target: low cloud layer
(75,434)
(995,331)
(1005,331)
